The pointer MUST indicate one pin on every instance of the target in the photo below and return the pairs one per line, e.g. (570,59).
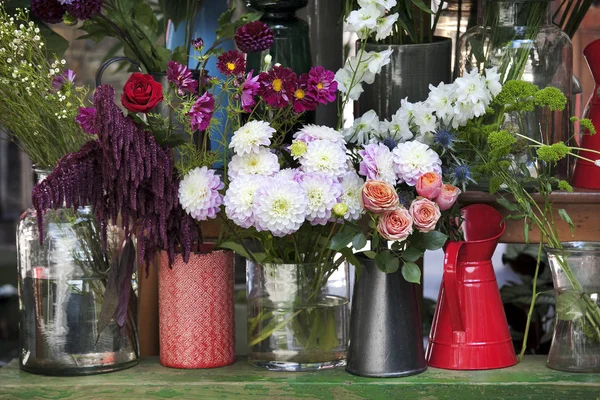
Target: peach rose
(379,196)
(447,196)
(429,185)
(396,224)
(425,214)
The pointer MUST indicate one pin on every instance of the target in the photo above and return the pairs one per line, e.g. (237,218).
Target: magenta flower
(249,90)
(60,80)
(198,44)
(84,9)
(254,37)
(201,112)
(277,86)
(231,62)
(181,76)
(85,119)
(322,84)
(303,99)
(50,11)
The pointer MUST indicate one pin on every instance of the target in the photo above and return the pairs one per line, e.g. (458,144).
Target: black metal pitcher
(386,338)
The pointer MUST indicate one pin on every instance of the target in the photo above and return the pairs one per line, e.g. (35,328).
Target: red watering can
(469,328)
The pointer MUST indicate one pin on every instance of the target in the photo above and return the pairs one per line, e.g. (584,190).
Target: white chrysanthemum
(377,163)
(363,128)
(378,60)
(351,194)
(250,137)
(239,199)
(323,193)
(290,174)
(413,159)
(199,193)
(343,77)
(324,156)
(385,26)
(279,206)
(364,20)
(310,133)
(264,162)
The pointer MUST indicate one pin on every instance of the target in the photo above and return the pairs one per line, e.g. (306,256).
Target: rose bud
(429,185)
(395,225)
(447,197)
(379,196)
(425,214)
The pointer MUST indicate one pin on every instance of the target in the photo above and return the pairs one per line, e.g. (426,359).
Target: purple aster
(60,80)
(249,91)
(254,37)
(198,44)
(322,84)
(50,11)
(181,76)
(85,119)
(377,163)
(201,112)
(84,9)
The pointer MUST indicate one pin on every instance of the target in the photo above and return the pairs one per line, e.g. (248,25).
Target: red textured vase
(196,310)
(469,329)
(587,175)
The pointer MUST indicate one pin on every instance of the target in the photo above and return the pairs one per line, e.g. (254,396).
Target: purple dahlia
(254,37)
(84,9)
(50,11)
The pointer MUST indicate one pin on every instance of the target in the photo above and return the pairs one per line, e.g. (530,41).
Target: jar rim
(575,247)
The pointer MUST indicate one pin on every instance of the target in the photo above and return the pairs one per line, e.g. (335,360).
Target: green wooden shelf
(149,380)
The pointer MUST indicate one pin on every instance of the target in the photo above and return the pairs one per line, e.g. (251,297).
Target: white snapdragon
(385,26)
(377,60)
(364,20)
(363,129)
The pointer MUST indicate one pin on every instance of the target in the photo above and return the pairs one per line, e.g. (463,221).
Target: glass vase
(62,283)
(518,37)
(576,275)
(298,316)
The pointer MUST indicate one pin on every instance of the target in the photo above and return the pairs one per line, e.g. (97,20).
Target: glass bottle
(518,37)
(62,283)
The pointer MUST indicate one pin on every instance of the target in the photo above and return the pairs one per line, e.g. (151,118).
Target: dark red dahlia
(84,9)
(254,37)
(303,99)
(50,11)
(232,62)
(322,85)
(277,86)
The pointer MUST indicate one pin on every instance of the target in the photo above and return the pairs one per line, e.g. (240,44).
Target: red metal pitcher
(469,328)
(587,175)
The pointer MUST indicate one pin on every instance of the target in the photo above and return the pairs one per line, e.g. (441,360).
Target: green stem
(534,295)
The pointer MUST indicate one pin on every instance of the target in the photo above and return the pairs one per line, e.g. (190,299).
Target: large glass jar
(62,285)
(519,39)
(576,275)
(298,316)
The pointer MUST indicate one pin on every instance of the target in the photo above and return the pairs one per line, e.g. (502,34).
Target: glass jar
(62,283)
(518,38)
(576,275)
(298,316)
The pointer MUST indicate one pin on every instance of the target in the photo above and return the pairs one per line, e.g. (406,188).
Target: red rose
(141,93)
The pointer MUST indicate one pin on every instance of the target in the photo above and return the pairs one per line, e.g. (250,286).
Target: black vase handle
(113,60)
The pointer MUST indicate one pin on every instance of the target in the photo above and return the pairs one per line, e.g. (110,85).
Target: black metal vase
(386,338)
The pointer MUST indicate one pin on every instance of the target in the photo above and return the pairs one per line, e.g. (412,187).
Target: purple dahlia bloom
(84,9)
(50,11)
(181,76)
(254,37)
(249,91)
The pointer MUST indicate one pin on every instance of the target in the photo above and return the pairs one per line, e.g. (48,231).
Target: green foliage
(553,153)
(550,97)
(387,261)
(501,144)
(564,185)
(411,272)
(516,95)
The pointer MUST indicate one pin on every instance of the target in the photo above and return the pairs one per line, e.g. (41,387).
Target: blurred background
(514,264)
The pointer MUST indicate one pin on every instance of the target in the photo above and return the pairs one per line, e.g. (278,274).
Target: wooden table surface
(149,380)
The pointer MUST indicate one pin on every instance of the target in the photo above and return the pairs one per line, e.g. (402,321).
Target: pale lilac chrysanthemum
(239,199)
(60,80)
(249,91)
(181,76)
(280,207)
(413,159)
(351,195)
(85,119)
(324,156)
(377,163)
(323,192)
(263,162)
(292,174)
(199,193)
(309,133)
(201,112)
(250,137)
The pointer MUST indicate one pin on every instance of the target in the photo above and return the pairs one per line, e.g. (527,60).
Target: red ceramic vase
(196,310)
(587,175)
